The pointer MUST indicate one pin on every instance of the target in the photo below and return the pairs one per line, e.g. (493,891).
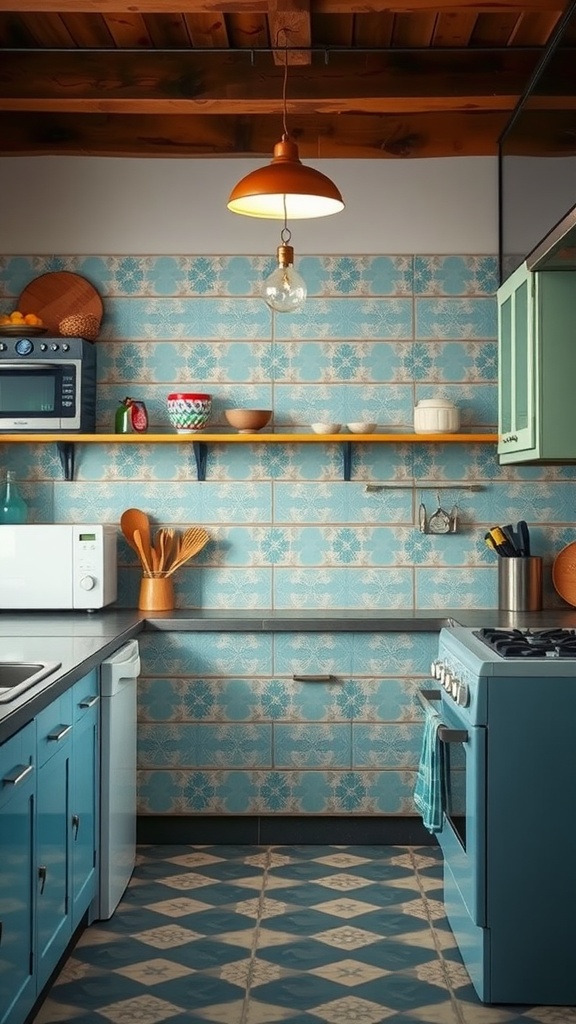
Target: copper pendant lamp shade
(285,189)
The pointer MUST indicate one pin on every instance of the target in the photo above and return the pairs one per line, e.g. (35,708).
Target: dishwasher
(118,689)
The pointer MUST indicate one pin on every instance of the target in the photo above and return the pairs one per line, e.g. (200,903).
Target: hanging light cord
(285,82)
(285,234)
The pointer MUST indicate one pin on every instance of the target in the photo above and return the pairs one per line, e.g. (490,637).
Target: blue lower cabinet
(49,830)
(84,795)
(17,794)
(53,912)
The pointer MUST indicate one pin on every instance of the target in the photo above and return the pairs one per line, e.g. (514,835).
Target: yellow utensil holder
(156,594)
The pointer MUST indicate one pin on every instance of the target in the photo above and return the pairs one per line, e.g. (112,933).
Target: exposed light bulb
(284,291)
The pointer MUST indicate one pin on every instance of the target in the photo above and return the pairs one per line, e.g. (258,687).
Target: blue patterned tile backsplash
(225,728)
(376,334)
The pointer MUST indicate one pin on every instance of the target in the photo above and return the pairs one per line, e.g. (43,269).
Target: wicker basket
(80,325)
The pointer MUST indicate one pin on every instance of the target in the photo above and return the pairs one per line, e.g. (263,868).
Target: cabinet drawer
(54,727)
(85,695)
(17,757)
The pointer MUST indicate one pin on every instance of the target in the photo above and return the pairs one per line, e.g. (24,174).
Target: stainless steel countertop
(80,641)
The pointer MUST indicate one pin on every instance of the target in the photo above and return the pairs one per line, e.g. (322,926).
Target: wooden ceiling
(194,78)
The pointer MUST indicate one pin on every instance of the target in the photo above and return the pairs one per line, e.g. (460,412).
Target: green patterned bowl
(189,411)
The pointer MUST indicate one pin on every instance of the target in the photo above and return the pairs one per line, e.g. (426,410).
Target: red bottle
(131,417)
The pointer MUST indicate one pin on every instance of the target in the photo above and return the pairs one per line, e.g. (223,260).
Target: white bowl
(362,428)
(326,428)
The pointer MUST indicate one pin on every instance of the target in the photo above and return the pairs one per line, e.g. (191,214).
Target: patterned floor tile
(154,972)
(277,935)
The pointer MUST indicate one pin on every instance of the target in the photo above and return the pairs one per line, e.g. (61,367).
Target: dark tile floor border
(282,830)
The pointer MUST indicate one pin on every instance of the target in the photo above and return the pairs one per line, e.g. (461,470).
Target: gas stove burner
(528,643)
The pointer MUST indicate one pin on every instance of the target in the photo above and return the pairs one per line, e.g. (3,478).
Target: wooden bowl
(247,421)
(564,574)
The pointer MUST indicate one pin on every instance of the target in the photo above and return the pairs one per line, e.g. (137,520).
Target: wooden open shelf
(255,438)
(200,440)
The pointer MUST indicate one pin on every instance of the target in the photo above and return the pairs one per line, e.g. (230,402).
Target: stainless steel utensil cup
(520,584)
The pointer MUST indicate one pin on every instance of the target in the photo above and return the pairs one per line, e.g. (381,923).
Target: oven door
(463,836)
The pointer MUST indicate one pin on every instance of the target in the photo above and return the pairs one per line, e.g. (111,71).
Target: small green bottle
(123,419)
(13,508)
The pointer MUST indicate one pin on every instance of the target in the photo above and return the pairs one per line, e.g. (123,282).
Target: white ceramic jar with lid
(436,416)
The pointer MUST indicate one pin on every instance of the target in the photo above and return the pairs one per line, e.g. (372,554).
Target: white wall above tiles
(55,205)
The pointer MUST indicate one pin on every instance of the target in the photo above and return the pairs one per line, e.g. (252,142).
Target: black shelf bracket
(66,451)
(201,456)
(347,459)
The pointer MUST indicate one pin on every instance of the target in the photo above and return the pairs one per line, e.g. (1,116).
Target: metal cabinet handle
(75,825)
(17,774)
(64,730)
(42,874)
(316,678)
(89,702)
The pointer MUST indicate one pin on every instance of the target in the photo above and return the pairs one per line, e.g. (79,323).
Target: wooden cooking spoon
(144,557)
(192,541)
(133,519)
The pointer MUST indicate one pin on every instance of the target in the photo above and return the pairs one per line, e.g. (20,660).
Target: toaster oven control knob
(3,347)
(65,348)
(54,346)
(24,347)
(43,347)
(87,583)
(463,695)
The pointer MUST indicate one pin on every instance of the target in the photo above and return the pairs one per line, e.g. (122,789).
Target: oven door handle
(445,735)
(27,366)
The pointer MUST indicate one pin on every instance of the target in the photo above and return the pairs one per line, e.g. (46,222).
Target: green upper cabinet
(537,367)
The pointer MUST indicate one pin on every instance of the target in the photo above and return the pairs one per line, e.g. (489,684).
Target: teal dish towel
(428,791)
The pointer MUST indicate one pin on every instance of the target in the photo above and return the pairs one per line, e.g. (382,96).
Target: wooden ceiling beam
(290,27)
(345,136)
(115,7)
(349,136)
(153,82)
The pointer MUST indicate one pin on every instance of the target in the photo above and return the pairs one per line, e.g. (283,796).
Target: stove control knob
(437,668)
(447,680)
(463,695)
(455,687)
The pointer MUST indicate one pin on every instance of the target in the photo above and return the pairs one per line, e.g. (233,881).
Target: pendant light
(284,291)
(285,187)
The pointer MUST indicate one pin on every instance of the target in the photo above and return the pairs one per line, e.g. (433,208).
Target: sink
(17,676)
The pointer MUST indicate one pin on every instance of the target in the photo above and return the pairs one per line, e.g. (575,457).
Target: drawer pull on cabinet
(18,774)
(42,873)
(89,702)
(60,734)
(316,678)
(75,825)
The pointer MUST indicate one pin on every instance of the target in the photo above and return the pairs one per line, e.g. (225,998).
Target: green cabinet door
(537,367)
(516,357)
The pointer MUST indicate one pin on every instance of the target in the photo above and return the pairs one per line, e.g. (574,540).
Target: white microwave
(58,567)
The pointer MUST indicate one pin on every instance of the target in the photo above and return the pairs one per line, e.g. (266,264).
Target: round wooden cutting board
(564,573)
(57,295)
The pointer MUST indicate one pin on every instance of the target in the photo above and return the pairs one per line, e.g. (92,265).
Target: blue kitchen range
(506,725)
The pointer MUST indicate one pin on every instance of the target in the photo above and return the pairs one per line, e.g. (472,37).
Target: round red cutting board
(564,573)
(57,295)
